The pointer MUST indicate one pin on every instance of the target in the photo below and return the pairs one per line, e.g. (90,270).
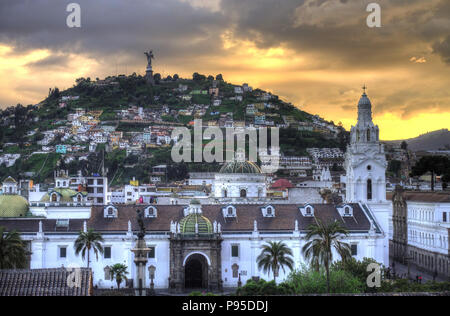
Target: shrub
(307,281)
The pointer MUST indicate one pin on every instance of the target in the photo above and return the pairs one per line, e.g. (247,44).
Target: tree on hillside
(395,166)
(157,77)
(404,145)
(437,165)
(198,77)
(219,77)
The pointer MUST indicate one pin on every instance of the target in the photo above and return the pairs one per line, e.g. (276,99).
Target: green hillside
(23,126)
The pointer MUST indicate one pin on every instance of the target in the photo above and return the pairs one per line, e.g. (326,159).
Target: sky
(316,54)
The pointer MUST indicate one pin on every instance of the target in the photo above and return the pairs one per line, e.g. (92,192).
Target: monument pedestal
(149,75)
(140,259)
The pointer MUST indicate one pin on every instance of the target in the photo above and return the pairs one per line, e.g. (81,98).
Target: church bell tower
(365,160)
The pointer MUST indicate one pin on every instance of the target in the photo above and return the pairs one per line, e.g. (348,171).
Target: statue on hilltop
(150,56)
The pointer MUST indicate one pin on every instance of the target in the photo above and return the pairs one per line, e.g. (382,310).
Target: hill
(92,109)
(436,140)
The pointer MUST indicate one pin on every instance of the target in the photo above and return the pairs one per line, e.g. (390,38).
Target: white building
(420,230)
(365,165)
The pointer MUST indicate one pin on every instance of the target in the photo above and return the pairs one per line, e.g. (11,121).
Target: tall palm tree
(13,252)
(322,239)
(273,256)
(119,272)
(86,241)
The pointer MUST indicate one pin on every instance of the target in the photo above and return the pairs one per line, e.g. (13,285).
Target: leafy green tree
(88,241)
(198,77)
(404,145)
(437,165)
(394,166)
(275,255)
(119,272)
(309,281)
(219,77)
(157,77)
(13,253)
(357,269)
(322,238)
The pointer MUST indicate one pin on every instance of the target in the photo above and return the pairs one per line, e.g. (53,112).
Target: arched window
(230,211)
(368,135)
(243,193)
(235,269)
(79,198)
(369,189)
(54,197)
(347,210)
(260,192)
(357,135)
(225,193)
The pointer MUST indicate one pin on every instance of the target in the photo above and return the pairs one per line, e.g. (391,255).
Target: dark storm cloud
(123,29)
(442,48)
(338,28)
(111,27)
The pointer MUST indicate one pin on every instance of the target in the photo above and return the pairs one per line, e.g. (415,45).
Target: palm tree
(322,238)
(86,241)
(119,272)
(273,256)
(13,252)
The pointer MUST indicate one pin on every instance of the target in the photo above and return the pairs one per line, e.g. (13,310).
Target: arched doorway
(196,272)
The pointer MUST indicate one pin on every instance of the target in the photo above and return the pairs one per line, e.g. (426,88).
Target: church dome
(240,167)
(12,205)
(65,195)
(364,101)
(187,224)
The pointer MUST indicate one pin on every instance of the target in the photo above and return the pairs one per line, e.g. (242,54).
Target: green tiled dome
(187,224)
(66,195)
(240,167)
(12,205)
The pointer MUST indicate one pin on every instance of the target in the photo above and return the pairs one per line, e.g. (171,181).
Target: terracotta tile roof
(284,220)
(42,282)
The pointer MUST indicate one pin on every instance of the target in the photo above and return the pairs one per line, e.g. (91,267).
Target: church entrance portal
(196,272)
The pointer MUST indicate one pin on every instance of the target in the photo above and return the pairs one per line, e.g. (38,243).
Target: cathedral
(210,246)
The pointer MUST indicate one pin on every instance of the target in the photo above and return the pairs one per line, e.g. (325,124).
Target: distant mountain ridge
(435,140)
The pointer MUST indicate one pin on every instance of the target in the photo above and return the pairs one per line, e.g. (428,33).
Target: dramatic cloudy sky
(314,53)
